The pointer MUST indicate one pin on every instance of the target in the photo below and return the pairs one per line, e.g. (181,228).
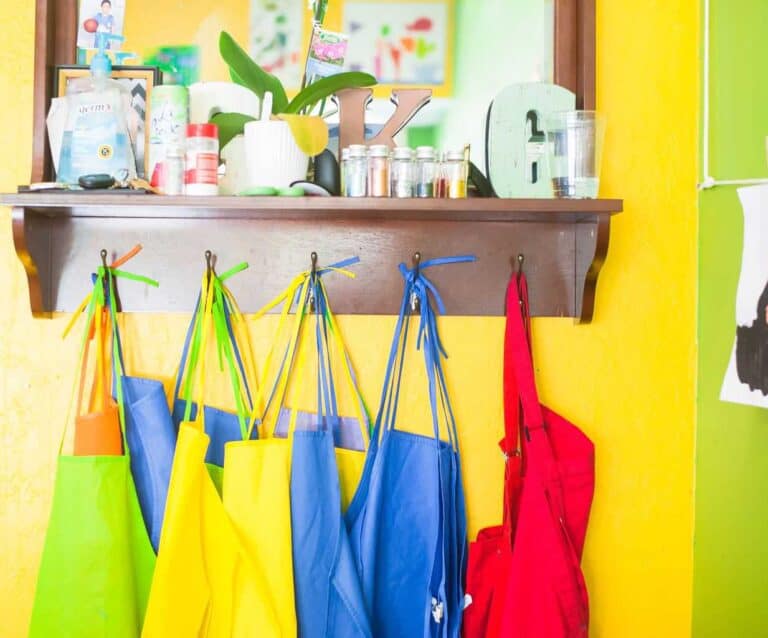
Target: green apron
(97,561)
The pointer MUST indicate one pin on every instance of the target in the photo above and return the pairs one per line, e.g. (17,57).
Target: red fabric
(524,576)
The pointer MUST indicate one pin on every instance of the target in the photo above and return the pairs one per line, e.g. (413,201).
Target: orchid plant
(310,132)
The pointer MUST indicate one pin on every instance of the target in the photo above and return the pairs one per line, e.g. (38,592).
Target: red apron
(524,576)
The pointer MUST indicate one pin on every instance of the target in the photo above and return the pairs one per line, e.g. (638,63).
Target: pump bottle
(96,135)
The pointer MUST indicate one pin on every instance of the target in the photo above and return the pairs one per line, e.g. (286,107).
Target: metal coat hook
(520,261)
(415,305)
(313,275)
(208,265)
(104,285)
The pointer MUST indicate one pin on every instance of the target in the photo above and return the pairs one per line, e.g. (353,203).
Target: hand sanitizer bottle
(96,137)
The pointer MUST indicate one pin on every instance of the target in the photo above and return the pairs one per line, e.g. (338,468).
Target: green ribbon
(225,346)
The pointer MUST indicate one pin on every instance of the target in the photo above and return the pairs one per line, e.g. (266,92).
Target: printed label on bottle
(202,168)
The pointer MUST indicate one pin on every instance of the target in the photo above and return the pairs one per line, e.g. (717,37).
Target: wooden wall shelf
(58,237)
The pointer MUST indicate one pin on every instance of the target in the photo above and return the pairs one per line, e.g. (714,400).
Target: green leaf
(309,131)
(245,71)
(230,125)
(321,89)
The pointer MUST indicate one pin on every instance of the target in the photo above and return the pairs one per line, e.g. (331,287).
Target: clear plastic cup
(575,149)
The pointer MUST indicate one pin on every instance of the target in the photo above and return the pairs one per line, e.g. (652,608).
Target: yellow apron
(205,583)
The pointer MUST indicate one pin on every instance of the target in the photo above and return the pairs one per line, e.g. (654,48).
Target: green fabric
(217,476)
(97,561)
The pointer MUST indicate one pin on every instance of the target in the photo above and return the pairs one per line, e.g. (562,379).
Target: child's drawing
(398,42)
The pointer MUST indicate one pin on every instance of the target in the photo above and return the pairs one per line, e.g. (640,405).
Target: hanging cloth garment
(205,584)
(97,560)
(98,431)
(257,473)
(350,434)
(407,520)
(490,555)
(221,425)
(149,431)
(329,600)
(546,596)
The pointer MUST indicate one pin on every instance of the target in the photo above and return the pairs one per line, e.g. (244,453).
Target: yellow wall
(628,379)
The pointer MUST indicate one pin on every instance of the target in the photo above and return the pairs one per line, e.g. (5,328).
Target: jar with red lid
(201,169)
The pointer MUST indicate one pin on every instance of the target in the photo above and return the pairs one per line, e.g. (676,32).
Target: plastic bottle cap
(345,153)
(403,152)
(202,130)
(379,150)
(425,152)
(453,156)
(358,150)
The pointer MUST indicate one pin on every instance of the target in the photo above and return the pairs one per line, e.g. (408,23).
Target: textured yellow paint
(151,24)
(627,379)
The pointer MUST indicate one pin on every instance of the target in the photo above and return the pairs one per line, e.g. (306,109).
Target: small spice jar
(201,171)
(356,171)
(173,178)
(426,171)
(343,170)
(454,172)
(402,173)
(378,171)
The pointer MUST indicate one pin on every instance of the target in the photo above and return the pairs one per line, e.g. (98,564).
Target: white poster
(746,379)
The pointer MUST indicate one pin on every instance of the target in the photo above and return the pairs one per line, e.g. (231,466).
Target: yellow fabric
(205,584)
(256,493)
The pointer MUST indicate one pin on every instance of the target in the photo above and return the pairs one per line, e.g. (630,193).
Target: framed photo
(140,80)
(403,43)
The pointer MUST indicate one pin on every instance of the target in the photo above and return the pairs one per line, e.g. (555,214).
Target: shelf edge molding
(565,246)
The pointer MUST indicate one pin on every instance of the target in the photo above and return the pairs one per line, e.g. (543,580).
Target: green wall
(730,593)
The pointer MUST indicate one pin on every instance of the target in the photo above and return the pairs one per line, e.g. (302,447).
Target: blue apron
(151,439)
(329,600)
(407,522)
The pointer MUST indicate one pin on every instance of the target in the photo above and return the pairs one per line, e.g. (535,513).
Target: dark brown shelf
(82,204)
(58,237)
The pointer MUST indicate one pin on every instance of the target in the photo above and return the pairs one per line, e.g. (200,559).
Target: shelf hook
(208,265)
(313,279)
(415,305)
(103,254)
(520,261)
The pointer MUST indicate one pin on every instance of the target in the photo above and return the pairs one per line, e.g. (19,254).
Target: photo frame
(140,81)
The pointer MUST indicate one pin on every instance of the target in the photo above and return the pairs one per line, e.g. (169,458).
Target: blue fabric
(221,425)
(329,600)
(407,521)
(151,439)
